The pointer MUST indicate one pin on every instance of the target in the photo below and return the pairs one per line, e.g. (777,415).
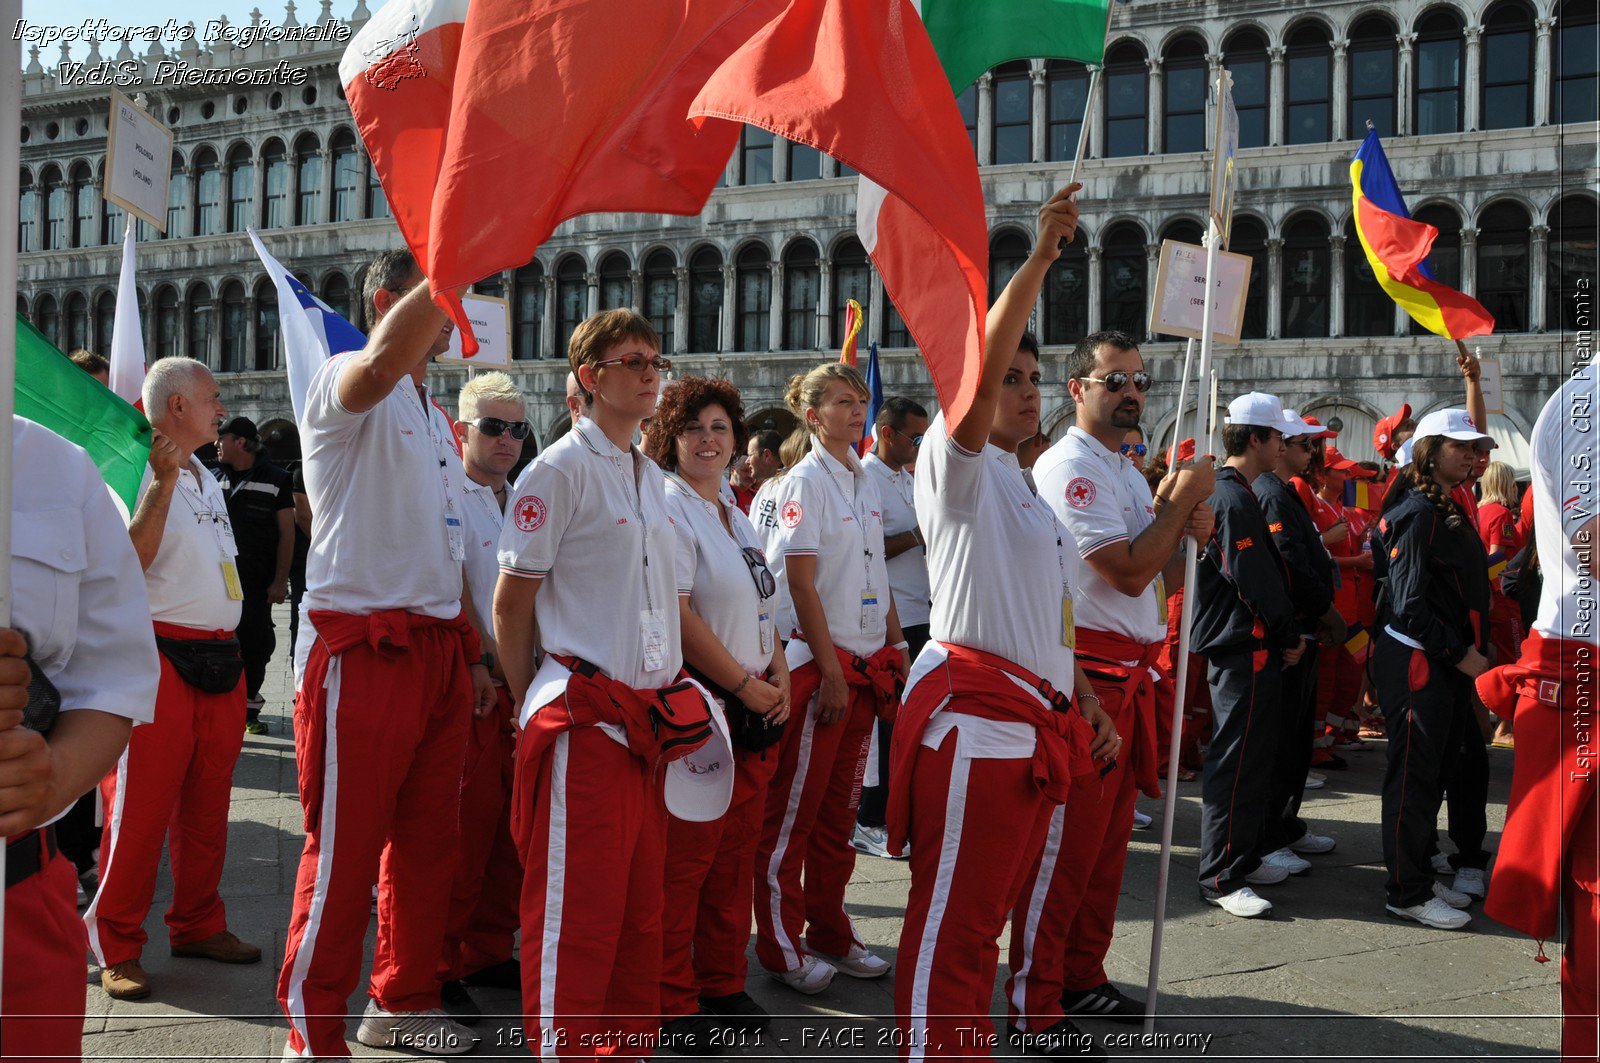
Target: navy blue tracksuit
(1243,619)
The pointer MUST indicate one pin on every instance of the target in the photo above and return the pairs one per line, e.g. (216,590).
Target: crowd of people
(574,734)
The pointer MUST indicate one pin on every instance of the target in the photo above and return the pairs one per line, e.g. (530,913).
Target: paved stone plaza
(1330,977)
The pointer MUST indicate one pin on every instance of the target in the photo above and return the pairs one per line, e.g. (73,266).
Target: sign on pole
(491,323)
(1493,387)
(1178,308)
(1223,159)
(138,162)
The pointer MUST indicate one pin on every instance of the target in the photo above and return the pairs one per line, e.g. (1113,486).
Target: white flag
(312,330)
(127,335)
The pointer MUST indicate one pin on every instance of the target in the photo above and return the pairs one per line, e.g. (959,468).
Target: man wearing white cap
(1245,626)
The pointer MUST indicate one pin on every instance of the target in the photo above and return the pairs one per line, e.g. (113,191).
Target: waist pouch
(212,666)
(747,730)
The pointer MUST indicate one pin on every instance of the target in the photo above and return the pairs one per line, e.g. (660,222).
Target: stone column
(1274,288)
(829,166)
(592,304)
(986,119)
(1341,90)
(729,318)
(1542,64)
(636,289)
(1539,278)
(327,210)
(291,206)
(775,307)
(1469,261)
(781,147)
(1152,264)
(1276,96)
(1040,126)
(825,305)
(1097,121)
(1403,83)
(1213,68)
(1336,293)
(874,322)
(249,330)
(547,321)
(1093,317)
(1155,102)
(680,312)
(258,202)
(1470,75)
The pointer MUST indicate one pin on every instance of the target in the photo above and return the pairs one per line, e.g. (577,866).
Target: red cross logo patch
(791,513)
(529,513)
(1080,493)
(1550,691)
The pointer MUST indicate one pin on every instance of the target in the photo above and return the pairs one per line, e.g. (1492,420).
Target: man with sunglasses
(483,915)
(1129,543)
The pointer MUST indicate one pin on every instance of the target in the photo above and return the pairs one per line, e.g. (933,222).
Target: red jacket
(662,725)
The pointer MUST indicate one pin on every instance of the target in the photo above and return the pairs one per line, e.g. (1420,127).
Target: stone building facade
(1487,107)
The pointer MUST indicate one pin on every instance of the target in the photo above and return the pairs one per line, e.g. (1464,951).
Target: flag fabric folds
(1397,247)
(312,330)
(55,393)
(972,37)
(127,334)
(852,329)
(874,402)
(859,80)
(1358,494)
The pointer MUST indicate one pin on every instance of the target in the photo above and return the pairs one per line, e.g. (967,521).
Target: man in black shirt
(261,509)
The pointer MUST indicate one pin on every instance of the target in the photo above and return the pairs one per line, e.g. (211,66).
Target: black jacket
(1434,581)
(1243,599)
(1300,544)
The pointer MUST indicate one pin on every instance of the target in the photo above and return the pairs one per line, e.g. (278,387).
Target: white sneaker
(1469,880)
(1287,860)
(810,978)
(1453,898)
(431,1031)
(1314,843)
(861,963)
(1243,902)
(1267,874)
(1441,864)
(1436,913)
(1142,821)
(873,841)
(1315,781)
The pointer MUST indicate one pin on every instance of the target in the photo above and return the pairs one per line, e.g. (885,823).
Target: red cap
(1339,463)
(1185,452)
(1326,433)
(1383,435)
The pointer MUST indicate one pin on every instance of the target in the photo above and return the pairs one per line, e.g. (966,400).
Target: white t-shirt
(185,581)
(592,521)
(480,514)
(381,485)
(908,570)
(990,543)
(1566,495)
(831,511)
(713,574)
(1102,498)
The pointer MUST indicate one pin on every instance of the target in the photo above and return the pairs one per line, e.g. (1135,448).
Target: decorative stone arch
(1300,20)
(1111,223)
(793,240)
(772,418)
(1582,192)
(1188,29)
(1496,199)
(1357,418)
(1468,18)
(1298,211)
(558,428)
(1134,38)
(1057,421)
(1385,11)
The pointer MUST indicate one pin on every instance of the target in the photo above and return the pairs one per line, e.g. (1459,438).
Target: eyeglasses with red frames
(637,363)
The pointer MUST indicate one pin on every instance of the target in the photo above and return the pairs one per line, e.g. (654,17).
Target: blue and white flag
(312,330)
(874,402)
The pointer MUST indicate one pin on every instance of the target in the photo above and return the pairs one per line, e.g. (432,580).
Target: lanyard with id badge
(221,530)
(652,622)
(871,609)
(455,532)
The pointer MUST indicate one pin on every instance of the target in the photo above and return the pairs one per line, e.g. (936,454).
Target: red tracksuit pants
(810,814)
(976,826)
(1338,687)
(42,1001)
(589,822)
(709,889)
(1067,908)
(484,901)
(1579,963)
(380,738)
(175,778)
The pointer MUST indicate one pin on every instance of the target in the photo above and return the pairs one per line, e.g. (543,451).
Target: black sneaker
(694,1035)
(1061,1041)
(458,1004)
(1104,1001)
(738,1011)
(504,975)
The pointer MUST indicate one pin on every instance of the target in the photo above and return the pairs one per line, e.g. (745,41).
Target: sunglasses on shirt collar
(494,427)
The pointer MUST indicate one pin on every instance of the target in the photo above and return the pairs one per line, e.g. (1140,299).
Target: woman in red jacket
(1500,527)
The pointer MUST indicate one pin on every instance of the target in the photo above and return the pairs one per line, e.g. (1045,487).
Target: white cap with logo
(699,786)
(1454,423)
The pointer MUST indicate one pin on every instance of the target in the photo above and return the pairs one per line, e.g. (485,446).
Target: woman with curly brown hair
(726,611)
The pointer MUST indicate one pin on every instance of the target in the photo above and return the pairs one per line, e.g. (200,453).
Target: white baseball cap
(1454,423)
(1295,425)
(1259,410)
(699,787)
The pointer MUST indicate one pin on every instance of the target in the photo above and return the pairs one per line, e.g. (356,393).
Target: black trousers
(257,639)
(297,591)
(1466,795)
(874,808)
(1426,705)
(1246,696)
(1297,722)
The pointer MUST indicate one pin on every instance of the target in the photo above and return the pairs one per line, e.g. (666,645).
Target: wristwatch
(487,660)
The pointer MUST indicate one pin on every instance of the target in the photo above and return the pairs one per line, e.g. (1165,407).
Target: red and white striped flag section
(860,80)
(852,329)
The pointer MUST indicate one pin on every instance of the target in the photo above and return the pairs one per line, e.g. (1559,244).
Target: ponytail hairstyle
(805,392)
(1423,453)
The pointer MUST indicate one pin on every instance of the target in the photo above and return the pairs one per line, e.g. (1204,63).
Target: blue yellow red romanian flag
(1359,494)
(1397,247)
(1356,639)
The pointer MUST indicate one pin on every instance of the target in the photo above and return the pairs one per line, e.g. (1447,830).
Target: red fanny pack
(662,725)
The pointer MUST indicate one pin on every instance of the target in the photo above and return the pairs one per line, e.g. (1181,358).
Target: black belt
(27,856)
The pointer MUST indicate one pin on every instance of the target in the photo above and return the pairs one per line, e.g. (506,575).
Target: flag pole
(1089,100)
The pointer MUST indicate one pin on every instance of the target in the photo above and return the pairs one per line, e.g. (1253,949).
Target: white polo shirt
(381,485)
(481,516)
(714,576)
(1566,495)
(1103,499)
(990,543)
(592,521)
(185,581)
(908,570)
(764,518)
(831,511)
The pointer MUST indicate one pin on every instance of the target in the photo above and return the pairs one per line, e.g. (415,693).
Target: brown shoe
(222,947)
(125,981)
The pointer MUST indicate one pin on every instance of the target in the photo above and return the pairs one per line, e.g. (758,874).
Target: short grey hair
(390,270)
(166,377)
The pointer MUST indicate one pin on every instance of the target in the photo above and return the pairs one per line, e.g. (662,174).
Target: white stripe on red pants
(810,815)
(380,738)
(42,1001)
(589,823)
(709,886)
(175,778)
(976,826)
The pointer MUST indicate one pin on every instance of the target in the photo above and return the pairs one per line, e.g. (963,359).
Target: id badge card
(230,577)
(653,632)
(869,611)
(1161,598)
(458,542)
(1069,632)
(768,630)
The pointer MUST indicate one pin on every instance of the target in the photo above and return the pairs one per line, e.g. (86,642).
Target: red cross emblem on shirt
(1080,492)
(529,513)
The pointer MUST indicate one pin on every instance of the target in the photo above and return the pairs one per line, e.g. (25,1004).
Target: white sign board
(1179,304)
(138,162)
(491,323)
(1494,396)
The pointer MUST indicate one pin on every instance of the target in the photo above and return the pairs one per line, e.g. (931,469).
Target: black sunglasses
(1115,382)
(766,586)
(495,427)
